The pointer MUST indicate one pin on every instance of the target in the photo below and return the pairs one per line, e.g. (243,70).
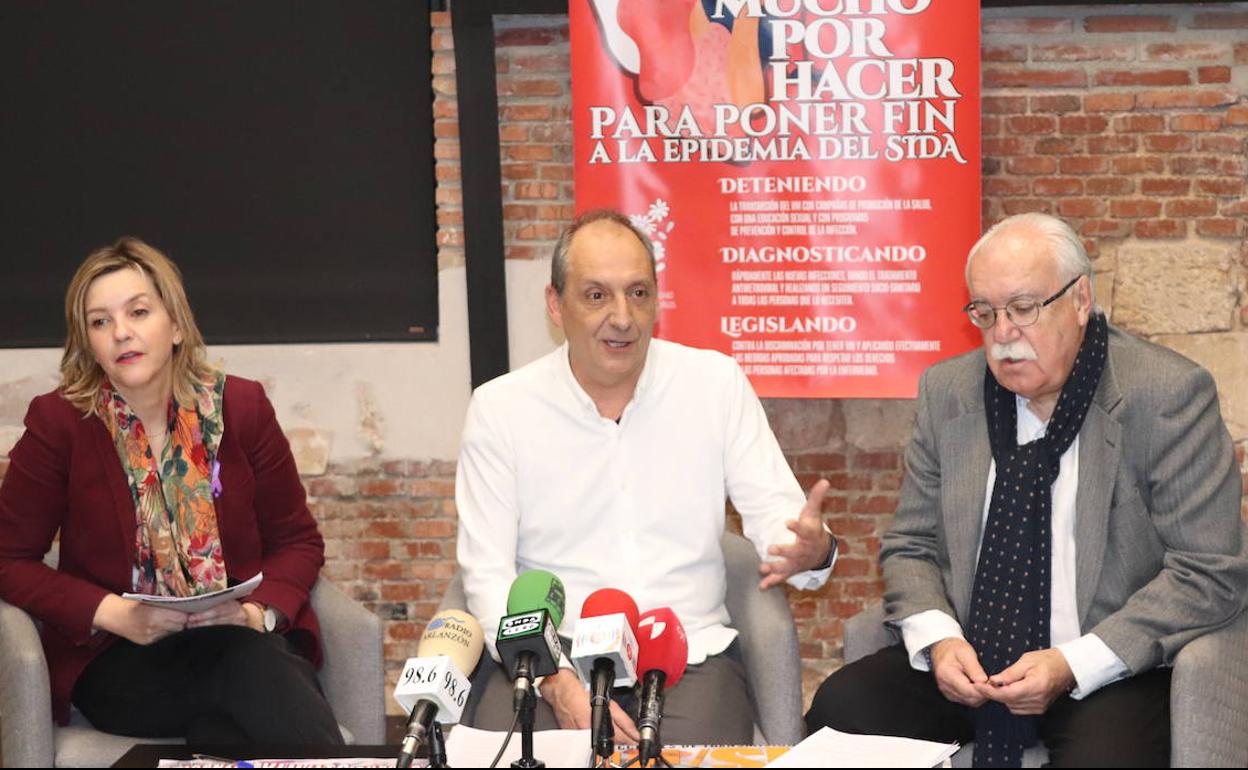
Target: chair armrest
(865,633)
(1209,699)
(25,697)
(454,597)
(768,640)
(353,674)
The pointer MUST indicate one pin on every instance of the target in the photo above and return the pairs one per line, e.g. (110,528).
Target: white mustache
(1018,350)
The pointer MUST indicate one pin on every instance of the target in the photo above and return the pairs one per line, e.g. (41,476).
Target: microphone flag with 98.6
(434,685)
(448,653)
(607,632)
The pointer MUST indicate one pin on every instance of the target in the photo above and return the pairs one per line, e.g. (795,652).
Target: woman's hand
(136,621)
(229,613)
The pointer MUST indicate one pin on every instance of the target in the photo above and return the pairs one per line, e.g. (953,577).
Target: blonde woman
(162,476)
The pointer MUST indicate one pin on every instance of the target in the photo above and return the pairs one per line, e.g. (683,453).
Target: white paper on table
(830,748)
(192,604)
(470,747)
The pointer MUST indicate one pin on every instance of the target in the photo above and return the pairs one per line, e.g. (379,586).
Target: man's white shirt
(545,482)
(1091,661)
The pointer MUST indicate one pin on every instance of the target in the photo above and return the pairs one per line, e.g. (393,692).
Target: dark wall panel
(281,151)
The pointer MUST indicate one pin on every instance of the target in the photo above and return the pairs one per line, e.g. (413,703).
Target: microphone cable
(506,741)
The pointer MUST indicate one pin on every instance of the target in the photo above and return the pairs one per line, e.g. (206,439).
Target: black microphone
(528,637)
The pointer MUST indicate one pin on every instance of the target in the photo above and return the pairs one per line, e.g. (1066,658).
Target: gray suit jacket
(1160,549)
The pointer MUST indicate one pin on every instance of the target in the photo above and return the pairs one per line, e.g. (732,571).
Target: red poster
(809,171)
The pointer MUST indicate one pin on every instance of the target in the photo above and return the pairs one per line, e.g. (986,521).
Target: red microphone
(662,658)
(604,651)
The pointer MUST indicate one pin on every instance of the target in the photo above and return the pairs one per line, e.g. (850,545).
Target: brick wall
(1131,125)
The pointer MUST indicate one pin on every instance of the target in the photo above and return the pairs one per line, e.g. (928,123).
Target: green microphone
(528,636)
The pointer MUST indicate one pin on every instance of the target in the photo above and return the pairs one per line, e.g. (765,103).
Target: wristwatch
(270,620)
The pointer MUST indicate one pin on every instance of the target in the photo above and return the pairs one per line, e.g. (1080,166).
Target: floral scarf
(177,543)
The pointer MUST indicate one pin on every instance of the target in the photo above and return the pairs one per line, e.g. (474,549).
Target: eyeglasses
(1021,311)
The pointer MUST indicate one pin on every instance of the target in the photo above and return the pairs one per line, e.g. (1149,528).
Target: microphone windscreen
(534,590)
(662,645)
(457,635)
(611,601)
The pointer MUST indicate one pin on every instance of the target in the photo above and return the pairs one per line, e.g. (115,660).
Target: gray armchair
(352,678)
(768,640)
(1208,693)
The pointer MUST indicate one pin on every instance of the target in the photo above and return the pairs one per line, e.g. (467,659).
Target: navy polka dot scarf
(1010,603)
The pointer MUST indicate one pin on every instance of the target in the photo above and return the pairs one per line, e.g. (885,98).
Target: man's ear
(552,306)
(1084,301)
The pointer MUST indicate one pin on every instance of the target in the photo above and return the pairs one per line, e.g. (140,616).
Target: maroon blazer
(64,475)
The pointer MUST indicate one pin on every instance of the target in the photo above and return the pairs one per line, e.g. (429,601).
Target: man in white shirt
(606,462)
(1069,520)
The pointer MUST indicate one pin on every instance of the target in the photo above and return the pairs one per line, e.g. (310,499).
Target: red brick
(519,170)
(1006,187)
(1031,124)
(1135,208)
(1220,143)
(557,172)
(849,567)
(1027,26)
(1085,164)
(1083,124)
(444,488)
(1070,53)
(1186,51)
(848,526)
(390,530)
(368,549)
(525,112)
(1058,145)
(1081,208)
(886,461)
(444,85)
(524,253)
(1199,122)
(1160,100)
(536,191)
(821,462)
(1138,164)
(446,149)
(1160,228)
(404,630)
(1058,186)
(1108,102)
(1057,103)
(386,570)
(380,488)
(1220,21)
(1109,185)
(1165,186)
(519,86)
(445,108)
(539,62)
(1019,77)
(446,172)
(873,504)
(1004,53)
(1194,165)
(989,126)
(1168,143)
(1012,206)
(1003,105)
(1033,165)
(1220,228)
(1136,77)
(1213,75)
(512,132)
(1105,228)
(1241,53)
(442,40)
(538,231)
(1139,124)
(535,36)
(1002,146)
(529,152)
(1112,143)
(1130,24)
(1191,207)
(1228,187)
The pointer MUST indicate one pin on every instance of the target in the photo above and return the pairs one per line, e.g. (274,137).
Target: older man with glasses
(1069,520)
